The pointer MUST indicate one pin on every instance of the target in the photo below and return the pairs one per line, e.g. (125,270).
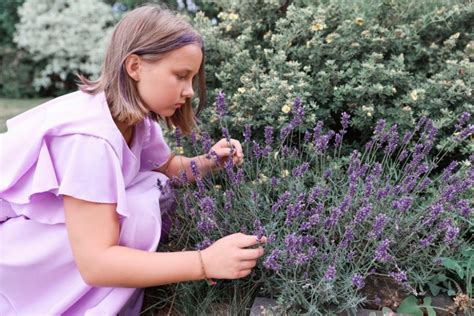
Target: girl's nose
(188,91)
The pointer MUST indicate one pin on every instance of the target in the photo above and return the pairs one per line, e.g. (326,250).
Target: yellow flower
(406,108)
(286,108)
(218,187)
(456,134)
(355,45)
(414,95)
(228,28)
(241,90)
(330,38)
(263,178)
(359,21)
(318,27)
(179,150)
(285,173)
(369,114)
(233,16)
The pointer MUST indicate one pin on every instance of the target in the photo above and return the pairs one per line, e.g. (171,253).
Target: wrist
(204,271)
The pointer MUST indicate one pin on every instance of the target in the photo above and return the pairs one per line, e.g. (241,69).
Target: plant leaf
(410,306)
(435,289)
(453,265)
(427,305)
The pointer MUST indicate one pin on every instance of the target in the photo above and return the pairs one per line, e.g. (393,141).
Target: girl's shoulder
(74,113)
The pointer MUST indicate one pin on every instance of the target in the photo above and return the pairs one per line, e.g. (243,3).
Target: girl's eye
(181,77)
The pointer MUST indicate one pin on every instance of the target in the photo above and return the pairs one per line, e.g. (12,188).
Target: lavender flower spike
(220,104)
(345,120)
(330,273)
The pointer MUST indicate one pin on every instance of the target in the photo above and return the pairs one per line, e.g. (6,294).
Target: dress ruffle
(81,166)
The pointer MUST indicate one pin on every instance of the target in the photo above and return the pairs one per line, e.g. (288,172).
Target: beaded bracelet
(209,281)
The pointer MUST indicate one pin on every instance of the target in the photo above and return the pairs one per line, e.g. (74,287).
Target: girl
(79,210)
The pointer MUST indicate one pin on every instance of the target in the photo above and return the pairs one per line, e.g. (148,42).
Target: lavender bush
(333,220)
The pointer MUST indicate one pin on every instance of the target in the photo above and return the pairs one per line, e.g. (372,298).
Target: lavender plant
(333,220)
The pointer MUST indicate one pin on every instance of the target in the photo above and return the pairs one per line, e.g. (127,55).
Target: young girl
(79,209)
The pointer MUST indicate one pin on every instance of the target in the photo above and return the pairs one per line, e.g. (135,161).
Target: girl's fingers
(251,254)
(248,264)
(245,241)
(244,273)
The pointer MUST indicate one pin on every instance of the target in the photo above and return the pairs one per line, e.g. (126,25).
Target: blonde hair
(149,32)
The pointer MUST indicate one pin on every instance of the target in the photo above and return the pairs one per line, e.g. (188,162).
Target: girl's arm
(222,148)
(93,231)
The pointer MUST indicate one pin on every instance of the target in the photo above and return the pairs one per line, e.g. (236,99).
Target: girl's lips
(178,105)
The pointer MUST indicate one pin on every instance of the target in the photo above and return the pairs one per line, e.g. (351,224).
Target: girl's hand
(225,149)
(228,257)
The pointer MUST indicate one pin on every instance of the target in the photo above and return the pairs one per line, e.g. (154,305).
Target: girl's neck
(126,131)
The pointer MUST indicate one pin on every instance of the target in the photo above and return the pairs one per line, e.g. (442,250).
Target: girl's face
(165,85)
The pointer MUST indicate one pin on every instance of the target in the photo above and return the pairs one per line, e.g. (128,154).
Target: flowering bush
(333,220)
(381,61)
(67,36)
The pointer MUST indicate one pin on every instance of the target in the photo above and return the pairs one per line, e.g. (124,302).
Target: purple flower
(463,118)
(247,133)
(206,142)
(294,210)
(330,273)
(300,170)
(435,210)
(379,224)
(338,140)
(194,169)
(420,123)
(407,137)
(317,132)
(225,134)
(402,204)
(327,174)
(451,233)
(463,207)
(425,242)
(448,171)
(298,112)
(220,104)
(207,205)
(229,195)
(204,244)
(268,135)
(345,120)
(271,262)
(392,140)
(274,181)
(362,214)
(403,155)
(399,277)
(193,139)
(381,253)
(285,131)
(257,151)
(178,135)
(282,200)
(314,194)
(379,127)
(259,230)
(358,281)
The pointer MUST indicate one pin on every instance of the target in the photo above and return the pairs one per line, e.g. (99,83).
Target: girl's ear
(132,65)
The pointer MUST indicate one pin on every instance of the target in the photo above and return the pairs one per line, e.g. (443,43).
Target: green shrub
(394,61)
(64,37)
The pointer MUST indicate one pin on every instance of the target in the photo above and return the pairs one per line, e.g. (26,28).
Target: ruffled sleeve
(155,151)
(82,166)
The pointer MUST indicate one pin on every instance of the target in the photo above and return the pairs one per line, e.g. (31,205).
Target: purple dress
(71,146)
